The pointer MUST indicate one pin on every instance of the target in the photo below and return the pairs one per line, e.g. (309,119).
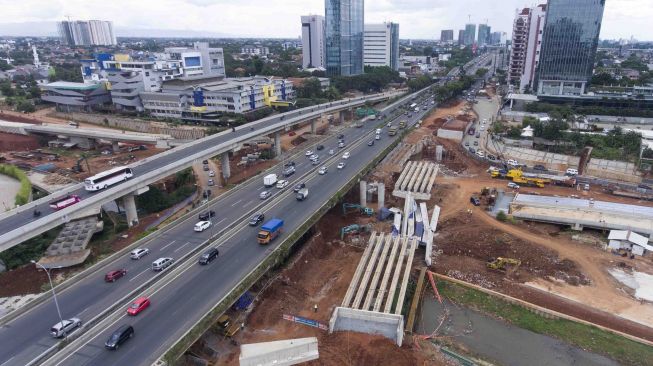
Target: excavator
(347,207)
(499,264)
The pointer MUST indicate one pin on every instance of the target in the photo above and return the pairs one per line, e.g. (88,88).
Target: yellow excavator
(499,264)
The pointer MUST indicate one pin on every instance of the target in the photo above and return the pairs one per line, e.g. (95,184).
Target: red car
(114,275)
(139,305)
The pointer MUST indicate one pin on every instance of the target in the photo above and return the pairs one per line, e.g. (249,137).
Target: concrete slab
(279,353)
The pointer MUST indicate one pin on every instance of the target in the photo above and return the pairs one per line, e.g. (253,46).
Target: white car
(202,225)
(341,165)
(322,171)
(512,162)
(65,327)
(331,152)
(346,155)
(482,128)
(314,157)
(265,195)
(211,173)
(138,253)
(513,185)
(480,154)
(282,184)
(308,153)
(377,137)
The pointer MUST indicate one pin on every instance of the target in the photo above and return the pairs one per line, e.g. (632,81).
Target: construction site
(360,289)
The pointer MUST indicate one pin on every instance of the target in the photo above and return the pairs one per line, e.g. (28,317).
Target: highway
(20,224)
(26,337)
(182,302)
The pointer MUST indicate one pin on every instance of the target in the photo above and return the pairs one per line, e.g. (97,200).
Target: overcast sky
(280,18)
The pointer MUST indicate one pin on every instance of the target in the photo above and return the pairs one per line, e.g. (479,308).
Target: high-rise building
(537,19)
(446,35)
(470,34)
(569,42)
(483,34)
(313,41)
(344,23)
(381,45)
(461,37)
(495,38)
(520,29)
(87,33)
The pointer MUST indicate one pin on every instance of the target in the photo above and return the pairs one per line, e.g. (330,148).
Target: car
(162,263)
(331,152)
(478,134)
(289,171)
(346,155)
(466,143)
(256,219)
(112,276)
(643,186)
(370,143)
(482,128)
(586,187)
(211,183)
(319,147)
(208,256)
(389,124)
(138,306)
(205,168)
(539,167)
(308,153)
(204,216)
(315,162)
(377,137)
(341,145)
(513,185)
(323,170)
(201,226)
(314,157)
(211,173)
(475,143)
(475,201)
(299,186)
(571,171)
(65,327)
(472,150)
(265,195)
(341,137)
(289,164)
(138,253)
(119,336)
(341,165)
(205,162)
(491,157)
(281,184)
(480,153)
(512,162)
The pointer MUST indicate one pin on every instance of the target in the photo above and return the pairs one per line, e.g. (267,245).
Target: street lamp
(54,294)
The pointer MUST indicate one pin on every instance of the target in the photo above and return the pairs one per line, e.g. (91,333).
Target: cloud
(280,18)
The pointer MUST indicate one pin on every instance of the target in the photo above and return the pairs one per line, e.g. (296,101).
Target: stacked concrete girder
(362,308)
(417,178)
(69,247)
(279,353)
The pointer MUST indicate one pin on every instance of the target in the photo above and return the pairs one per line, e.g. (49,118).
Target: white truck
(270,180)
(302,194)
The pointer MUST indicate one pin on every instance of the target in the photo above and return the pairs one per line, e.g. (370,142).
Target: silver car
(265,195)
(66,327)
(139,253)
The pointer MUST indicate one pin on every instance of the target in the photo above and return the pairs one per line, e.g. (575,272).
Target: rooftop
(72,85)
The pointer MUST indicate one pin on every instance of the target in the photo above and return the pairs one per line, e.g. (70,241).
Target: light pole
(54,294)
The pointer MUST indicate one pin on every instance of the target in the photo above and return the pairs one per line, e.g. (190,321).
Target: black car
(341,137)
(290,163)
(119,336)
(319,147)
(205,162)
(299,186)
(370,143)
(204,216)
(256,219)
(208,256)
(540,167)
(475,201)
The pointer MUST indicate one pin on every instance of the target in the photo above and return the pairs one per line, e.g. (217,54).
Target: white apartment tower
(87,33)
(520,29)
(313,41)
(381,45)
(537,19)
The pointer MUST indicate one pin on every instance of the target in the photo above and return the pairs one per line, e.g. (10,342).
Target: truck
(64,202)
(392,131)
(269,231)
(402,124)
(302,194)
(270,180)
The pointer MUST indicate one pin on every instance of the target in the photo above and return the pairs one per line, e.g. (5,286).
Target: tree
(501,216)
(6,89)
(529,121)
(428,51)
(481,72)
(4,66)
(25,106)
(514,132)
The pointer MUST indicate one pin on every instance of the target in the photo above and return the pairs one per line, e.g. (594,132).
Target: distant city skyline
(419,19)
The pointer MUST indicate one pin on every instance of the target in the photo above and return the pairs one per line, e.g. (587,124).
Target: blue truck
(269,231)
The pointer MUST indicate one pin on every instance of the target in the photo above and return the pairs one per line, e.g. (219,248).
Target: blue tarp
(48,167)
(384,213)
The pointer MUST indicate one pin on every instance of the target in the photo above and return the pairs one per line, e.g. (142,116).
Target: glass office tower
(571,35)
(344,37)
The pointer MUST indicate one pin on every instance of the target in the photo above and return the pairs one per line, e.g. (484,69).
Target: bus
(412,106)
(107,178)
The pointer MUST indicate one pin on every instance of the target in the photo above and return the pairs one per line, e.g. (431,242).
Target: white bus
(412,106)
(107,178)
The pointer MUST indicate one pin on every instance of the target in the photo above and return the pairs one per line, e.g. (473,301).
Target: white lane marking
(165,246)
(237,202)
(133,278)
(218,223)
(9,360)
(81,312)
(178,249)
(248,203)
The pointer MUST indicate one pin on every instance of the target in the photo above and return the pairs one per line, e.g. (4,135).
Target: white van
(571,171)
(162,263)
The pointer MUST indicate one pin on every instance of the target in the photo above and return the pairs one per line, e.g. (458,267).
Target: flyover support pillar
(363,193)
(313,126)
(277,144)
(226,169)
(341,116)
(115,147)
(130,209)
(381,194)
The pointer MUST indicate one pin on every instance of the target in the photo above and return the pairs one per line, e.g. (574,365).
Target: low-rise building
(255,50)
(629,241)
(69,96)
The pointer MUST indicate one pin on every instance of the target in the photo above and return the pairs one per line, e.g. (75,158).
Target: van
(161,264)
(571,171)
(289,171)
(119,336)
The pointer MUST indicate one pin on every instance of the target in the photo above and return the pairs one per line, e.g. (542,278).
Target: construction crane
(499,264)
(363,210)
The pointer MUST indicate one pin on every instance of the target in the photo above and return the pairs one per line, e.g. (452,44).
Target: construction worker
(315,308)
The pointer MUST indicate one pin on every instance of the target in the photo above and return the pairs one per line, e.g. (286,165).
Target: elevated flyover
(20,224)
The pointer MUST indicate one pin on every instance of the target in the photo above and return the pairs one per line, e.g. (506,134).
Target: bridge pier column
(341,116)
(130,209)
(115,147)
(363,191)
(277,143)
(381,193)
(226,169)
(313,126)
